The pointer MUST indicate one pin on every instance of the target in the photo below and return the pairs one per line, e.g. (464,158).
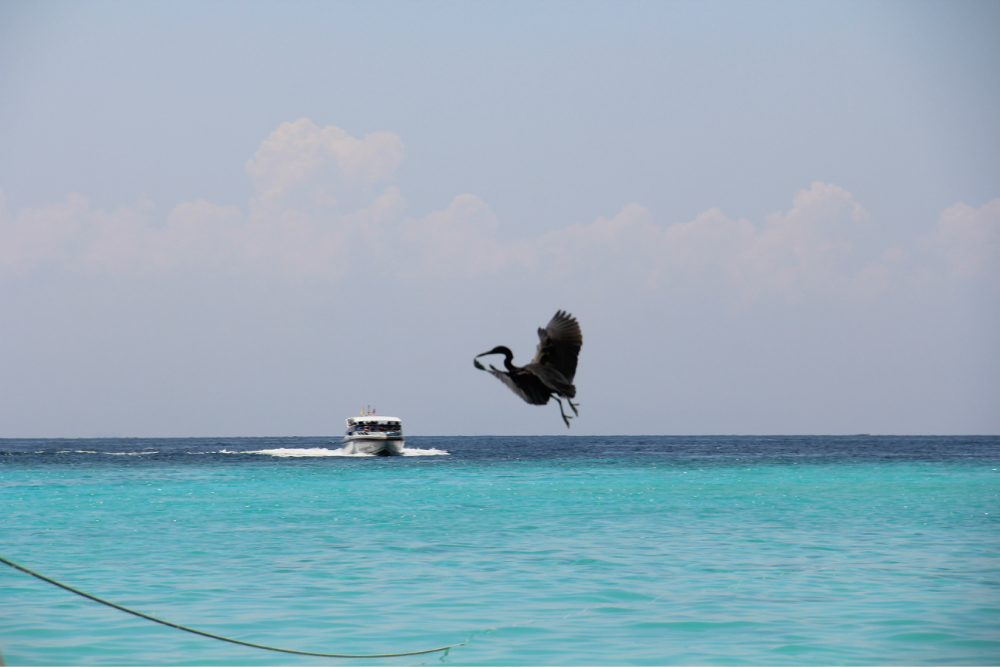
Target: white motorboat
(374,434)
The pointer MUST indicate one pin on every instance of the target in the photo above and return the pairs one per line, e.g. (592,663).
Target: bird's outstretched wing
(559,344)
(524,384)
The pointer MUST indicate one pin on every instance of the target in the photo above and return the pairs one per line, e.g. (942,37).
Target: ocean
(611,550)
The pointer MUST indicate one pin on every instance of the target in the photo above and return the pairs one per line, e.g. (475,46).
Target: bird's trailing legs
(565,417)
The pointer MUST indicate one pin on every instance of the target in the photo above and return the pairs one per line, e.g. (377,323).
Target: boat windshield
(376,427)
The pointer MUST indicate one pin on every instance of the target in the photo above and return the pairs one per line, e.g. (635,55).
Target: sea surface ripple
(534,550)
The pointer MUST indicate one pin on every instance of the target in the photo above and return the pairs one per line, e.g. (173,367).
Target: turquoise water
(623,551)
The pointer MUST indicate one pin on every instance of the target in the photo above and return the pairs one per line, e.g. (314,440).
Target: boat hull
(375,445)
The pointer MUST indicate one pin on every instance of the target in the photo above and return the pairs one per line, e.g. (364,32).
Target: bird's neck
(508,357)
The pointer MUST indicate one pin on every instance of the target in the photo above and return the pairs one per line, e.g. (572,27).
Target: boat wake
(424,452)
(320,451)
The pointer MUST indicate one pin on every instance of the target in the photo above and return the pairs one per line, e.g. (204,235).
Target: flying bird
(550,373)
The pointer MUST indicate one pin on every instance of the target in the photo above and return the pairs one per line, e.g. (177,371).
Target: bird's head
(499,349)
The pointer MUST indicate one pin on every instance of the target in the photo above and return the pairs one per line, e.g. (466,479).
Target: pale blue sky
(801,228)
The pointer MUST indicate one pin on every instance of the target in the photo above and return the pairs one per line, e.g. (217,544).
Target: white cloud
(457,242)
(969,239)
(625,244)
(119,242)
(800,248)
(295,230)
(279,237)
(301,154)
(299,245)
(40,235)
(201,233)
(794,250)
(197,236)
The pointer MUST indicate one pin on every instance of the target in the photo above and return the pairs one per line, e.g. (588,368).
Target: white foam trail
(320,451)
(314,451)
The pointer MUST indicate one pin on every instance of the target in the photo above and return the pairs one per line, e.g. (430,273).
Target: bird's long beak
(476,360)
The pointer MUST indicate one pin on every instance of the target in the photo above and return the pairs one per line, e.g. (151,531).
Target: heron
(550,373)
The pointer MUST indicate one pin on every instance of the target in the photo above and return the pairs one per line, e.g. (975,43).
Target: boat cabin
(373,424)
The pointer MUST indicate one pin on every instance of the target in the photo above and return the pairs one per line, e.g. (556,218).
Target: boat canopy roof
(374,419)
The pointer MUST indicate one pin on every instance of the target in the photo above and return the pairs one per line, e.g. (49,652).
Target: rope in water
(210,635)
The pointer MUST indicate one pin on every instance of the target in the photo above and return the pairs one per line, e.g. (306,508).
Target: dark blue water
(481,448)
(547,550)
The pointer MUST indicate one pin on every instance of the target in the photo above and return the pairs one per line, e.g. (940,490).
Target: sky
(257,218)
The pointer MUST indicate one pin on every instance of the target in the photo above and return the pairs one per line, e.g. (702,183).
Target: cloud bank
(324,205)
